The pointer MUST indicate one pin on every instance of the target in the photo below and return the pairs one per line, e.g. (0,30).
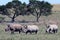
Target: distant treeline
(36,8)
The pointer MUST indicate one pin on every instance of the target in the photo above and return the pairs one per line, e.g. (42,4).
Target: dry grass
(56,7)
(41,34)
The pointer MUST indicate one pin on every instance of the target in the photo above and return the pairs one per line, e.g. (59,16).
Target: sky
(3,2)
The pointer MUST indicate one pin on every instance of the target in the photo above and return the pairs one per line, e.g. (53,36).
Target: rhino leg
(55,30)
(36,31)
(28,31)
(19,31)
(12,32)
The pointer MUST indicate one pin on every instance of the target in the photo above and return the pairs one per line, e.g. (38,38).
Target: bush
(1,19)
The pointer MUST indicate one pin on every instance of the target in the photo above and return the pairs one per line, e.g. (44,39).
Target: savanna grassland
(41,35)
(56,7)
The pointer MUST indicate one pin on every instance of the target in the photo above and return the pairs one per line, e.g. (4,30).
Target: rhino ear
(25,26)
(48,26)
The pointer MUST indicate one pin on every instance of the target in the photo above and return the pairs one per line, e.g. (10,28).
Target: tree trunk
(13,18)
(37,18)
